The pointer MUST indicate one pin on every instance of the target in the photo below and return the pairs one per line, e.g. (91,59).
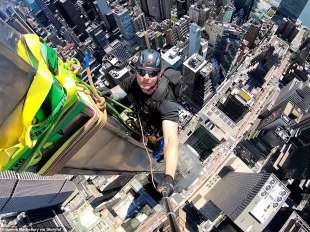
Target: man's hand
(166,187)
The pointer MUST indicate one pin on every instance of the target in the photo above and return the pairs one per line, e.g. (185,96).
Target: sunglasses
(143,72)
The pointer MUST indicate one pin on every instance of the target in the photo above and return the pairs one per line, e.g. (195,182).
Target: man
(154,92)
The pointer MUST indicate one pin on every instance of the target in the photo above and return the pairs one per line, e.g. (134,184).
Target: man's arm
(171,146)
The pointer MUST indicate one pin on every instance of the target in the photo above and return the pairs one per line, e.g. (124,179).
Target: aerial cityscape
(74,156)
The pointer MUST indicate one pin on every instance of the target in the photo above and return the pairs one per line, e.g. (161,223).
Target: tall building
(44,6)
(295,223)
(91,10)
(125,24)
(19,23)
(246,5)
(144,7)
(194,81)
(103,7)
(227,47)
(275,126)
(251,35)
(32,5)
(250,200)
(159,9)
(172,58)
(193,13)
(98,35)
(181,8)
(294,157)
(297,92)
(112,25)
(27,191)
(287,30)
(181,27)
(291,8)
(119,50)
(194,39)
(73,17)
(198,13)
(166,6)
(140,22)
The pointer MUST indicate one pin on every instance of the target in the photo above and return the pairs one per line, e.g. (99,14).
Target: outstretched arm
(171,146)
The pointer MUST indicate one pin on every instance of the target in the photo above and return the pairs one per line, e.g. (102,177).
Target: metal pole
(171,216)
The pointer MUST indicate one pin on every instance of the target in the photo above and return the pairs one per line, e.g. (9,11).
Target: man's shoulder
(173,75)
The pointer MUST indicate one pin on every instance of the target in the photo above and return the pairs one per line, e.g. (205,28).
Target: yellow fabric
(12,128)
(15,133)
(66,79)
(8,153)
(39,89)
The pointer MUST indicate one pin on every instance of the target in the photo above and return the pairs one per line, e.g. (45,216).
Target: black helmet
(149,60)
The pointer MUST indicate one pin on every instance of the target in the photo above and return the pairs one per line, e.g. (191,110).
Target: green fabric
(51,106)
(50,58)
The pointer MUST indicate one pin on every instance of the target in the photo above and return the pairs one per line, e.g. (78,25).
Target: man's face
(147,81)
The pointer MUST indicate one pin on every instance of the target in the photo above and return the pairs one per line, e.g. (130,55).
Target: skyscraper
(294,158)
(27,191)
(103,7)
(227,46)
(194,81)
(140,22)
(297,92)
(193,13)
(48,13)
(19,23)
(250,200)
(33,5)
(165,6)
(295,223)
(154,9)
(125,24)
(144,7)
(246,5)
(181,8)
(159,9)
(172,58)
(194,39)
(73,16)
(291,8)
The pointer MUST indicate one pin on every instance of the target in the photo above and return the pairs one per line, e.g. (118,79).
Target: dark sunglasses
(143,72)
